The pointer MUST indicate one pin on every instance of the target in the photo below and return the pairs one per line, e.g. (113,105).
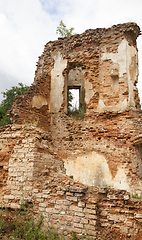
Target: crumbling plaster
(57,83)
(92,169)
(127,60)
(103,64)
(89,92)
(127,64)
(62,165)
(38,101)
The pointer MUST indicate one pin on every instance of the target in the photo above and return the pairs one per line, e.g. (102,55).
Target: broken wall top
(101,63)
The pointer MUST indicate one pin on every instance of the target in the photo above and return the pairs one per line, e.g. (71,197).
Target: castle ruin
(64,165)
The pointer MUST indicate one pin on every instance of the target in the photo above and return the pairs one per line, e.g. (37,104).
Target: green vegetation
(77,113)
(69,100)
(21,225)
(63,31)
(6,104)
(34,124)
(73,111)
(136,196)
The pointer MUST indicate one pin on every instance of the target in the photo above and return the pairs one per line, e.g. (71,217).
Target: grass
(20,224)
(35,123)
(77,113)
(136,196)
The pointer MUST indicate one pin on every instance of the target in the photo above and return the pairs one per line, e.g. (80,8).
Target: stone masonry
(65,166)
(36,174)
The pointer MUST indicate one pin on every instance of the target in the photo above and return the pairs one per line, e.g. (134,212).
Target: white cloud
(27,25)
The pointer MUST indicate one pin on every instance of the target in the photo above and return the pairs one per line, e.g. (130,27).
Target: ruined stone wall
(99,150)
(60,166)
(36,174)
(25,152)
(108,61)
(33,106)
(94,212)
(104,63)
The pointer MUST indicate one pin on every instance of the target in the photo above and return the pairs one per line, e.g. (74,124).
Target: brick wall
(102,54)
(61,165)
(36,174)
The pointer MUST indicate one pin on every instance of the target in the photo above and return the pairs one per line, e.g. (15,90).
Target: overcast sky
(27,25)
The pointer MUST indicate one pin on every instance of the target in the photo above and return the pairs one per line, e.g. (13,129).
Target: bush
(21,225)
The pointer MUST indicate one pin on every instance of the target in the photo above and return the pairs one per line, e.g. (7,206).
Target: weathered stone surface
(67,167)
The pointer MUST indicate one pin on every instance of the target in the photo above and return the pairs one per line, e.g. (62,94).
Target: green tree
(63,31)
(6,104)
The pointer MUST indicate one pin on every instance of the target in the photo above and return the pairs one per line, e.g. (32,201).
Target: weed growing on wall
(34,124)
(20,224)
(136,196)
(77,113)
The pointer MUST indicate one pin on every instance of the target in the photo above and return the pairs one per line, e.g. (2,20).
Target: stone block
(73,199)
(44,205)
(41,209)
(92,200)
(138,215)
(92,206)
(81,204)
(75,208)
(92,222)
(92,233)
(90,216)
(60,202)
(126,197)
(52,210)
(9,197)
(83,220)
(89,227)
(77,230)
(79,214)
(69,194)
(69,219)
(89,210)
(76,219)
(104,213)
(78,225)
(78,189)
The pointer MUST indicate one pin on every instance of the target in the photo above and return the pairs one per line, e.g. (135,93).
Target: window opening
(76,93)
(76,104)
(73,101)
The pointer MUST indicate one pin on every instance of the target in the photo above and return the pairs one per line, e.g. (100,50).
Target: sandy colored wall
(36,174)
(103,56)
(60,165)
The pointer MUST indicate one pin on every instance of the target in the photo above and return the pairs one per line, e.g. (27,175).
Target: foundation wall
(36,174)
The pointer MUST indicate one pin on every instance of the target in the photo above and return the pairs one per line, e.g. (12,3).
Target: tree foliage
(63,31)
(6,104)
